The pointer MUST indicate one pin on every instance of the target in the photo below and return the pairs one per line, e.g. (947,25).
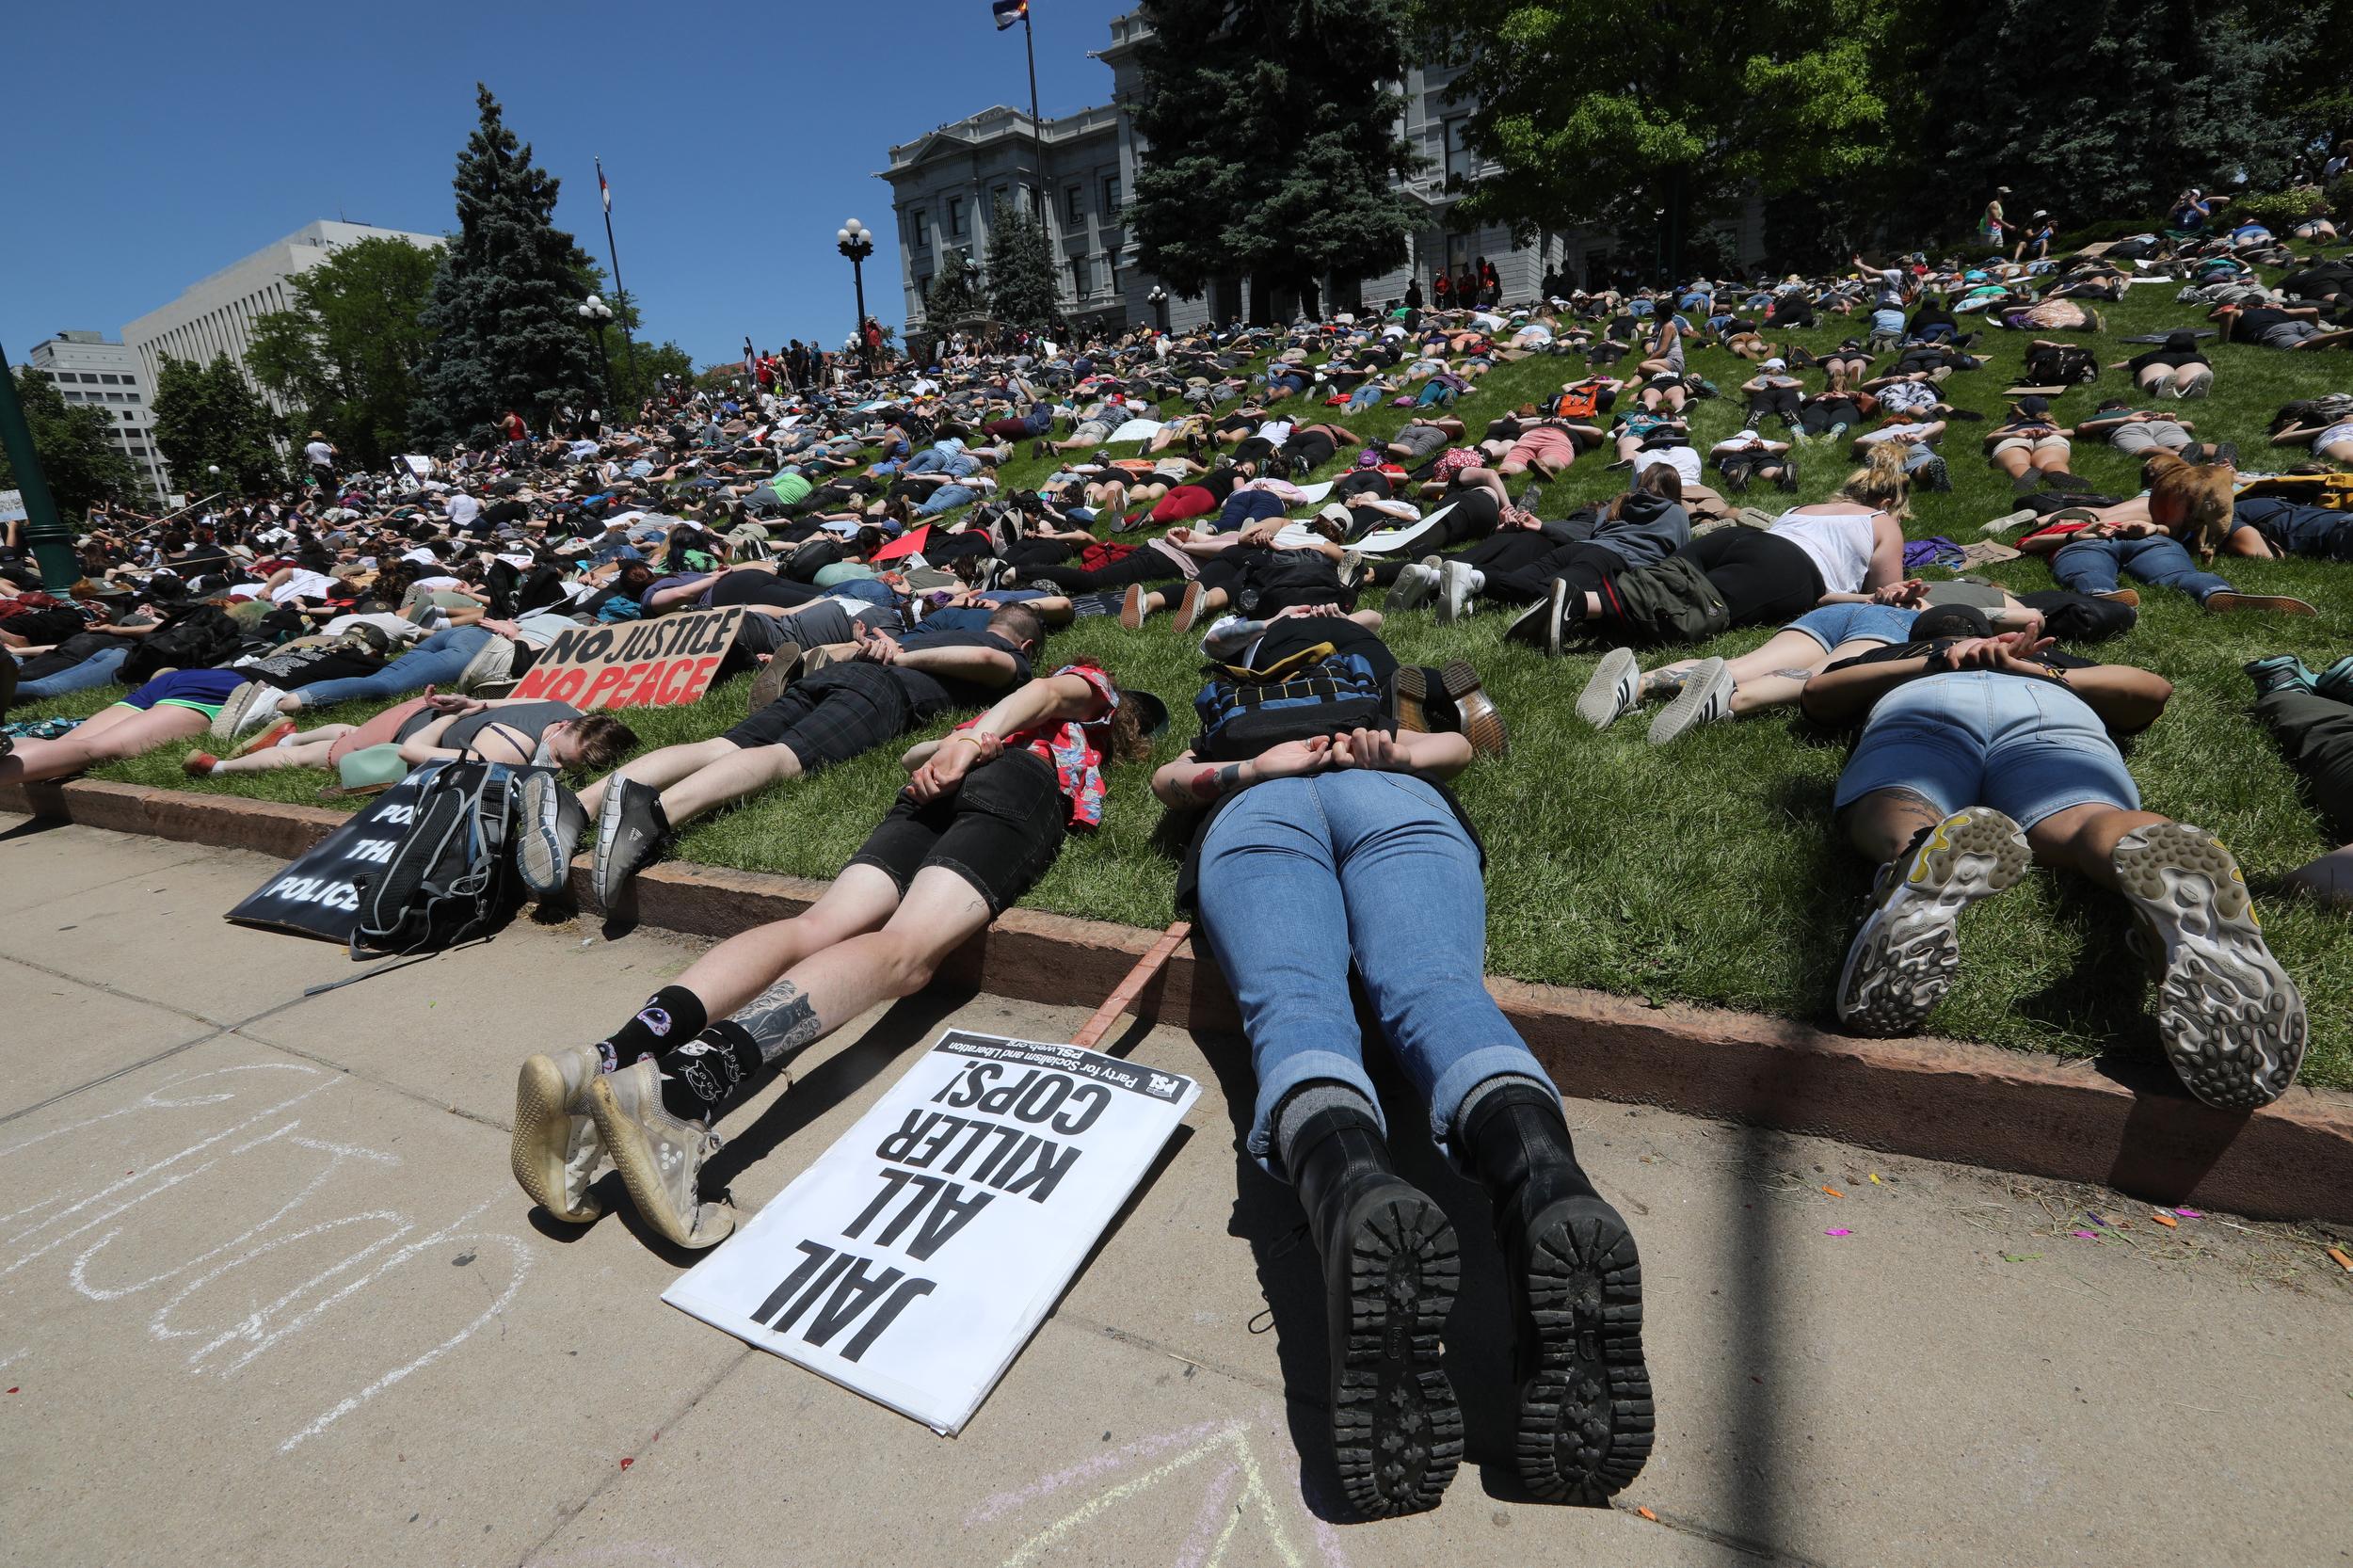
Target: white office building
(90,370)
(216,315)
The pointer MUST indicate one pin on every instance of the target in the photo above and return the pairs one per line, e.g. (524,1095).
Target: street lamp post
(856,240)
(596,312)
(45,532)
(1158,300)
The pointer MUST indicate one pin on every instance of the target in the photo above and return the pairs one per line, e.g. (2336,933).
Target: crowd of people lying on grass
(892,580)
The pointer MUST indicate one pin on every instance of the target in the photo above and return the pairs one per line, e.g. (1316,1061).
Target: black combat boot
(1586,1417)
(1390,1268)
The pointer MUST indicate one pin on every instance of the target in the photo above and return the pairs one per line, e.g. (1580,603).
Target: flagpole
(1037,126)
(604,200)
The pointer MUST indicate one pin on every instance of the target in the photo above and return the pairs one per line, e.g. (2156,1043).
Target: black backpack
(197,638)
(2061,365)
(1318,691)
(450,876)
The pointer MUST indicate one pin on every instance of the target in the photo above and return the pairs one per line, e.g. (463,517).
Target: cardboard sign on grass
(664,662)
(913,1261)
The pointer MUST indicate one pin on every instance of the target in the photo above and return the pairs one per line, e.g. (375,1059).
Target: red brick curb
(1938,1099)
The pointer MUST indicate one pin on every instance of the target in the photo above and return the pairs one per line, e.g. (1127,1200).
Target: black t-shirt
(2050,659)
(932,693)
(2254,321)
(504,512)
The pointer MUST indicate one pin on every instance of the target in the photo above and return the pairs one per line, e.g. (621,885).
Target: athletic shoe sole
(1454,593)
(265,738)
(1613,691)
(1903,959)
(640,1168)
(1586,1417)
(774,675)
(1131,607)
(1188,608)
(1706,696)
(540,855)
(2232,1022)
(1411,590)
(549,1138)
(1397,1431)
(230,721)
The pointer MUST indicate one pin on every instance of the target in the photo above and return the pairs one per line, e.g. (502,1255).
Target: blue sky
(151,144)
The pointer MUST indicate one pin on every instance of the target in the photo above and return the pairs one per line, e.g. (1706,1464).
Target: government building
(945,185)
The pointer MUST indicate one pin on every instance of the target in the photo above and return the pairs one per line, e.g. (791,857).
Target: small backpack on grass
(1317,691)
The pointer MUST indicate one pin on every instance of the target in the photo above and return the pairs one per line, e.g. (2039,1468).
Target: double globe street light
(597,313)
(856,240)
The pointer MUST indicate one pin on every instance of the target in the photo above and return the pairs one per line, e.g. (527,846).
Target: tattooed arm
(1188,784)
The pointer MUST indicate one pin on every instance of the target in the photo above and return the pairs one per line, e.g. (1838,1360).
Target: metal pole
(857,281)
(613,251)
(52,546)
(1037,127)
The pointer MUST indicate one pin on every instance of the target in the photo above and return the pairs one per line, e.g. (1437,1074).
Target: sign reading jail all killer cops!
(916,1258)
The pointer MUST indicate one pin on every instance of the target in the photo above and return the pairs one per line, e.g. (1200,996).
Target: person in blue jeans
(437,661)
(1344,852)
(98,669)
(2087,552)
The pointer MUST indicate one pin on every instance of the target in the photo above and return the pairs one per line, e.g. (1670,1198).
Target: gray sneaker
(631,833)
(554,820)
(1615,690)
(660,1157)
(2231,1020)
(556,1151)
(1903,959)
(1705,699)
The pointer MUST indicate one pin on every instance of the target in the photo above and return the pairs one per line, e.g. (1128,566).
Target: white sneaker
(1457,594)
(250,707)
(1705,699)
(556,1151)
(1415,585)
(1903,959)
(660,1157)
(1615,691)
(2005,524)
(2231,1020)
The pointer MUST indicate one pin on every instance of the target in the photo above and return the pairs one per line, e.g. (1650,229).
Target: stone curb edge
(2126,1126)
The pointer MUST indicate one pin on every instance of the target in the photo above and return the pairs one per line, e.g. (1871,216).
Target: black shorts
(1000,831)
(841,711)
(1254,448)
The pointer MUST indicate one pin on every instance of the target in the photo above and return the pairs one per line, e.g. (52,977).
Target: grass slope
(1708,871)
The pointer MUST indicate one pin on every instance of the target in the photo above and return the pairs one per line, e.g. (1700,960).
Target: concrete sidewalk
(268,1295)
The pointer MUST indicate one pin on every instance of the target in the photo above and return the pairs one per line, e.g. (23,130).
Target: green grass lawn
(1707,871)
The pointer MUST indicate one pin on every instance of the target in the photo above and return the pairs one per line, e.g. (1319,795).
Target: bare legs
(106,737)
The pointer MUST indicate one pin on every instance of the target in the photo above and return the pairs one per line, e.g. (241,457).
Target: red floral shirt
(1073,749)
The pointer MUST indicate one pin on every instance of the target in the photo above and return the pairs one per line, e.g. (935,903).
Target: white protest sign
(913,1261)
(12,506)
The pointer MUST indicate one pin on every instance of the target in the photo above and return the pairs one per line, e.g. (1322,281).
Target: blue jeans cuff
(1308,1066)
(1467,1073)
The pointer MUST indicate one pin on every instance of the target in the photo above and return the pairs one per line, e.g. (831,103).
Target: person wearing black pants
(2315,732)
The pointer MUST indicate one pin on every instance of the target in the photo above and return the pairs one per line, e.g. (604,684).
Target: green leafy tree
(2105,109)
(1021,286)
(1657,120)
(958,293)
(78,459)
(1272,144)
(345,357)
(504,327)
(209,416)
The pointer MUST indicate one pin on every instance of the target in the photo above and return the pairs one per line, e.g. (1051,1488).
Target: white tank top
(1839,542)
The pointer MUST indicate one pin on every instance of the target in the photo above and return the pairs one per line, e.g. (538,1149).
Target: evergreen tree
(1656,120)
(1272,144)
(956,293)
(1021,285)
(345,357)
(81,463)
(504,325)
(209,416)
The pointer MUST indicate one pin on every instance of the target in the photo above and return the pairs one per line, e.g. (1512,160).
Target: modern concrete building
(944,186)
(217,315)
(89,370)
